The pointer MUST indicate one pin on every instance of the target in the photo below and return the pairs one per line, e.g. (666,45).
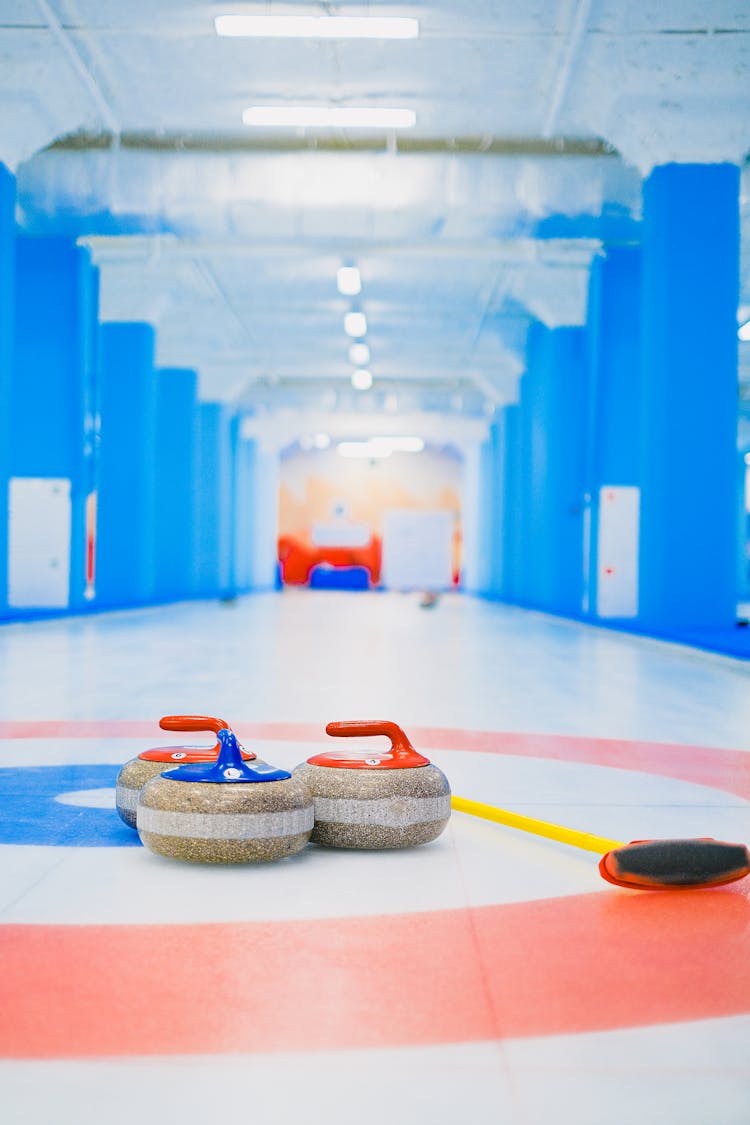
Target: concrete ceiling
(535,122)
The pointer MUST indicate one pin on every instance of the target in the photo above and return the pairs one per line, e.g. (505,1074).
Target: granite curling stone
(150,763)
(228,811)
(389,799)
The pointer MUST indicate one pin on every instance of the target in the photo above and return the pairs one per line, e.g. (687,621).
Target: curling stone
(135,773)
(383,799)
(228,811)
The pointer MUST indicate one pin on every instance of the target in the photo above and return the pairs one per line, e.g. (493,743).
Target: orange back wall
(316,484)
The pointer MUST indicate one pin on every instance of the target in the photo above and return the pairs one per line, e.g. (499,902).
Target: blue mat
(339,578)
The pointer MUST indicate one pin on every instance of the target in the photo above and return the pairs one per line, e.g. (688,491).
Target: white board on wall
(417,549)
(617,551)
(39,525)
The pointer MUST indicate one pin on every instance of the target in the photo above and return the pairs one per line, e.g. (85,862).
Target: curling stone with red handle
(380,799)
(228,811)
(135,773)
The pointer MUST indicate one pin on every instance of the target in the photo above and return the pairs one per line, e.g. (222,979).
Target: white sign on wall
(39,526)
(617,553)
(417,549)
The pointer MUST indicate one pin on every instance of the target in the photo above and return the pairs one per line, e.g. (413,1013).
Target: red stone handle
(193,722)
(354,728)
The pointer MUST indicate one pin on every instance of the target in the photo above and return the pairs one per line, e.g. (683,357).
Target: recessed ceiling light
(359,354)
(322,441)
(355,324)
(345,117)
(361,379)
(349,281)
(318,27)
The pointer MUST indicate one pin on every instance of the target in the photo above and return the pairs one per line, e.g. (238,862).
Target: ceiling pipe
(577,32)
(87,79)
(373,142)
(564,252)
(220,295)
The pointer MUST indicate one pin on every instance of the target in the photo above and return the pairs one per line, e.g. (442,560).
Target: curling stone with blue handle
(380,799)
(150,763)
(228,811)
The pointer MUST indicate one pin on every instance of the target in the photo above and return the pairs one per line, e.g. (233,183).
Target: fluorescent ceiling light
(366,449)
(380,446)
(349,281)
(348,117)
(318,27)
(359,354)
(744,331)
(361,379)
(401,444)
(355,324)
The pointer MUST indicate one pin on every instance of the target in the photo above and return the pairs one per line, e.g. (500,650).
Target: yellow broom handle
(570,836)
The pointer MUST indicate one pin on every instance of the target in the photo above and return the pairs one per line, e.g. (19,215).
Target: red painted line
(148,728)
(588,962)
(726,770)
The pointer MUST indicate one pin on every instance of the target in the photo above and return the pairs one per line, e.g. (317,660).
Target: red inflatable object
(297,559)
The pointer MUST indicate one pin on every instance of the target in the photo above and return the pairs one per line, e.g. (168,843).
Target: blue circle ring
(30,814)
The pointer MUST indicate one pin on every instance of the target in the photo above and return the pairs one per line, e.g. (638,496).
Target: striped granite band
(223,826)
(127,798)
(389,812)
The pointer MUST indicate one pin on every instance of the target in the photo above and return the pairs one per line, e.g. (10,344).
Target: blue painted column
(7,288)
(264,516)
(689,405)
(214,497)
(125,548)
(242,508)
(175,500)
(613,445)
(55,384)
(491,515)
(511,504)
(743,525)
(554,419)
(256,513)
(473,516)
